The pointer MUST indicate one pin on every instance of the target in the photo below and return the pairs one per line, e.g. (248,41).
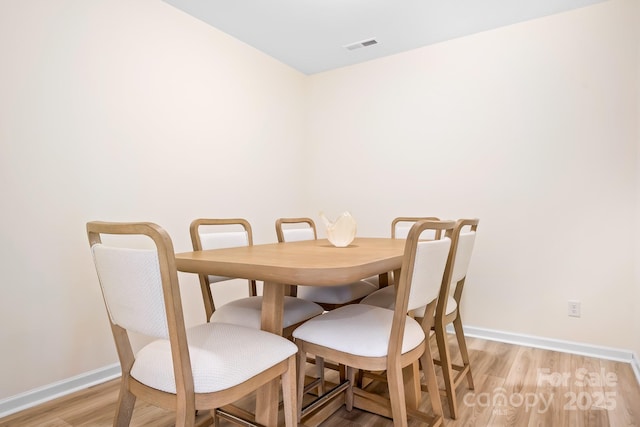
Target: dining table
(310,262)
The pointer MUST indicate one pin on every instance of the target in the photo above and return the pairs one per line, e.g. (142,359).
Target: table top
(309,262)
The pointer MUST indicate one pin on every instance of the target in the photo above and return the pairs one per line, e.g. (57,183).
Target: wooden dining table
(311,262)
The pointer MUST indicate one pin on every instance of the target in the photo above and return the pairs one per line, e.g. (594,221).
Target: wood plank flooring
(514,386)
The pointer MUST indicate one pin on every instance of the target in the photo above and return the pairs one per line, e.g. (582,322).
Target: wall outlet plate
(574,308)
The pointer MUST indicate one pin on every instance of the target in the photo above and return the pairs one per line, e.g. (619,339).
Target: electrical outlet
(574,308)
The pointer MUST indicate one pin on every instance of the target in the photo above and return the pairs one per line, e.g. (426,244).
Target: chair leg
(301,360)
(291,409)
(462,345)
(126,403)
(447,369)
(360,378)
(320,367)
(184,420)
(429,371)
(396,396)
(342,372)
(351,377)
(185,410)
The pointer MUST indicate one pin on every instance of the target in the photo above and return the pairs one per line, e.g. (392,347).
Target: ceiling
(311,35)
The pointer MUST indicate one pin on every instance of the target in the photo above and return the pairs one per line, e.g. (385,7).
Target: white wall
(126,110)
(533,129)
(123,110)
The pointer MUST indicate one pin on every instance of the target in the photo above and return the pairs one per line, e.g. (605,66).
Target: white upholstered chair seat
(222,356)
(386,297)
(247,312)
(374,280)
(341,294)
(362,330)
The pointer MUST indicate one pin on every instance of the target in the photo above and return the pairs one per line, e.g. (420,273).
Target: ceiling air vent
(363,43)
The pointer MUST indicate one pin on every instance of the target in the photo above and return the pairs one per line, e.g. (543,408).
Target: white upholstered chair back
(297,234)
(295,229)
(132,287)
(428,270)
(424,264)
(224,239)
(463,256)
(221,240)
(423,269)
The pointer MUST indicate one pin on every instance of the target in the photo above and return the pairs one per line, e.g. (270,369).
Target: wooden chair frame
(453,374)
(394,363)
(185,402)
(413,219)
(205,286)
(282,221)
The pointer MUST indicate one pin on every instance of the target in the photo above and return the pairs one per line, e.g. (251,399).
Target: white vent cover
(363,43)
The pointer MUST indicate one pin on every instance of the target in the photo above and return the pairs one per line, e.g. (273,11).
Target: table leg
(272,314)
(272,307)
(383,280)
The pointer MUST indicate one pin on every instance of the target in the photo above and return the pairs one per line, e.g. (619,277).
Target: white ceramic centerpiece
(342,231)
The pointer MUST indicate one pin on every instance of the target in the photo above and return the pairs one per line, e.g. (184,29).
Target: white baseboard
(589,350)
(44,394)
(49,392)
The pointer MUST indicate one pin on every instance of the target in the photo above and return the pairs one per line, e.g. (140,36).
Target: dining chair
(201,368)
(400,227)
(463,241)
(370,338)
(447,310)
(329,297)
(218,233)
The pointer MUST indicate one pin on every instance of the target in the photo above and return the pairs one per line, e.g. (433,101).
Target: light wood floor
(514,386)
